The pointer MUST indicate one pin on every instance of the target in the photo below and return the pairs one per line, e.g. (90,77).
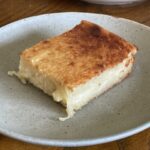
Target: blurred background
(11,10)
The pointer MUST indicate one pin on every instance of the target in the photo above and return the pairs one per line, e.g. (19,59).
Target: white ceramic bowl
(113,2)
(28,114)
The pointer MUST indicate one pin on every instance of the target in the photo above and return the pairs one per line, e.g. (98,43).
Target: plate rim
(74,142)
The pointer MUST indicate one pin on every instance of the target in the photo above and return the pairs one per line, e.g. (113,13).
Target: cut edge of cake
(74,99)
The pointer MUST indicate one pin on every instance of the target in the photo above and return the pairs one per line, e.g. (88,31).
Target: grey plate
(28,114)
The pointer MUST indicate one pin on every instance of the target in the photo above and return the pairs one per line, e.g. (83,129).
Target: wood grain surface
(12,10)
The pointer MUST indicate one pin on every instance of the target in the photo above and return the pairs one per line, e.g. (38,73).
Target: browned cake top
(79,54)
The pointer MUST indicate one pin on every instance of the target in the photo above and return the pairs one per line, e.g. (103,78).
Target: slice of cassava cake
(78,65)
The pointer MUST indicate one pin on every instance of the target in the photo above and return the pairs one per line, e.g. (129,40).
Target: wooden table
(11,10)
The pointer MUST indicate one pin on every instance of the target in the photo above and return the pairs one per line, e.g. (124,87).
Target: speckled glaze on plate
(26,113)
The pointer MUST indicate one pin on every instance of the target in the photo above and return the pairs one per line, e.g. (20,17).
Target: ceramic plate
(113,2)
(26,113)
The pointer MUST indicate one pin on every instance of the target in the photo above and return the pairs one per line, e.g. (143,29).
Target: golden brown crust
(79,54)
